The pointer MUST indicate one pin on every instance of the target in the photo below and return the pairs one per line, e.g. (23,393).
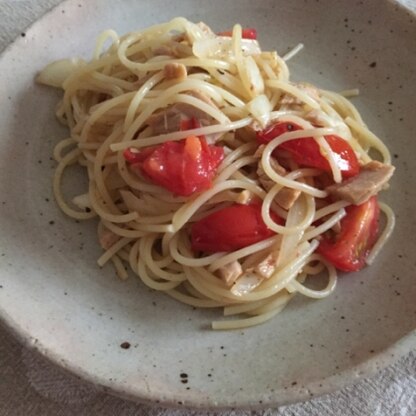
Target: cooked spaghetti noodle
(112,104)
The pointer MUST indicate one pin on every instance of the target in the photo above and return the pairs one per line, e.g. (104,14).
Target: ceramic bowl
(56,298)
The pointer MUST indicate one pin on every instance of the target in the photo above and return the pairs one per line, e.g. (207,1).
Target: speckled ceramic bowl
(54,296)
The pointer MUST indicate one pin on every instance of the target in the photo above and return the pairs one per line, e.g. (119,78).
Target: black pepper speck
(373,64)
(125,345)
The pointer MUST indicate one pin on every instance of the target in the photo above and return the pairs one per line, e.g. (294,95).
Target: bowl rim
(293,394)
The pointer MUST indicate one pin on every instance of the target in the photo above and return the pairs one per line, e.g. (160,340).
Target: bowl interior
(55,296)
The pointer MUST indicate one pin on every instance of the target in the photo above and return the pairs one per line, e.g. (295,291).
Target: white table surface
(31,386)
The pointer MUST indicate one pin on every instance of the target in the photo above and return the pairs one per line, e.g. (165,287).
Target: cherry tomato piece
(183,167)
(307,153)
(230,229)
(348,250)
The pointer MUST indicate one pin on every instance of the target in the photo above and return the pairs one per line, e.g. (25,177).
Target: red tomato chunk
(182,167)
(348,250)
(230,229)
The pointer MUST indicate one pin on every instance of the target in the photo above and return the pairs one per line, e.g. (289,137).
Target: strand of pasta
(278,299)
(371,138)
(192,301)
(386,233)
(296,92)
(57,188)
(201,131)
(296,286)
(113,250)
(325,226)
(146,253)
(293,52)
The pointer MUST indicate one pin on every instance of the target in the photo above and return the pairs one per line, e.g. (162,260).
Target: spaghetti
(214,177)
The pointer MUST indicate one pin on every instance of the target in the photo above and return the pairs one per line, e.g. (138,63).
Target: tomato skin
(230,229)
(275,130)
(359,230)
(306,151)
(182,167)
(247,33)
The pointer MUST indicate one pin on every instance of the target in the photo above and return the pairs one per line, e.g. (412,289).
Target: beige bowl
(55,297)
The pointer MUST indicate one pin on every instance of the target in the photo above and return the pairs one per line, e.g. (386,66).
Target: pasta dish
(214,177)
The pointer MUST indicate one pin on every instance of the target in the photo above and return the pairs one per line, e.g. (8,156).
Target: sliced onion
(55,73)
(82,201)
(251,77)
(221,47)
(291,241)
(245,284)
(260,107)
(250,47)
(197,32)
